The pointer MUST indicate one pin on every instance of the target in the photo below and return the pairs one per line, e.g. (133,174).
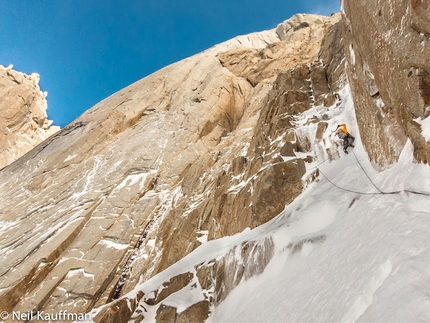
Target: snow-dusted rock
(387,44)
(23,119)
(302,33)
(186,155)
(119,212)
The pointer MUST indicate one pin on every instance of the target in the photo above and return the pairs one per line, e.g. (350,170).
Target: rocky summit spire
(23,119)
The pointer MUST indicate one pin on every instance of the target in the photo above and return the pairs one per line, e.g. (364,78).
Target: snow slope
(340,256)
(372,265)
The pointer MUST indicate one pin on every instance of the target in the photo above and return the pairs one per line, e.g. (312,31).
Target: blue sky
(86,50)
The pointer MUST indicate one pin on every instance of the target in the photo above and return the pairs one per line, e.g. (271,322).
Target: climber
(348,140)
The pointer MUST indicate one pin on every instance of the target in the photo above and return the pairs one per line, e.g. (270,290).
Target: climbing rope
(380,192)
(320,163)
(345,189)
(419,193)
(395,192)
(366,172)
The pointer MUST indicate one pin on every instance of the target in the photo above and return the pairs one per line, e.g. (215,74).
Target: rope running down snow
(365,193)
(345,189)
(396,192)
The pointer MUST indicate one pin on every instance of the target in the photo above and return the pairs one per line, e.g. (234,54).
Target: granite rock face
(23,119)
(302,33)
(188,154)
(387,46)
(202,149)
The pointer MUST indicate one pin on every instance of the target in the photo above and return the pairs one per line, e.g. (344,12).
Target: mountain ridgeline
(203,149)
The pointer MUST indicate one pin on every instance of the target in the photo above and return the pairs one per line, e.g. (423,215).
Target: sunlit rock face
(202,149)
(388,44)
(23,119)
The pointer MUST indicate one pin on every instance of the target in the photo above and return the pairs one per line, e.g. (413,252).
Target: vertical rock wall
(201,149)
(387,45)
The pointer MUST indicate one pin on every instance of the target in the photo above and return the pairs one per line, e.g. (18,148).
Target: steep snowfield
(370,263)
(371,267)
(340,256)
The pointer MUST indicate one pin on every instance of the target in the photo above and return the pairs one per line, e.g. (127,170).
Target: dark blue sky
(86,50)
